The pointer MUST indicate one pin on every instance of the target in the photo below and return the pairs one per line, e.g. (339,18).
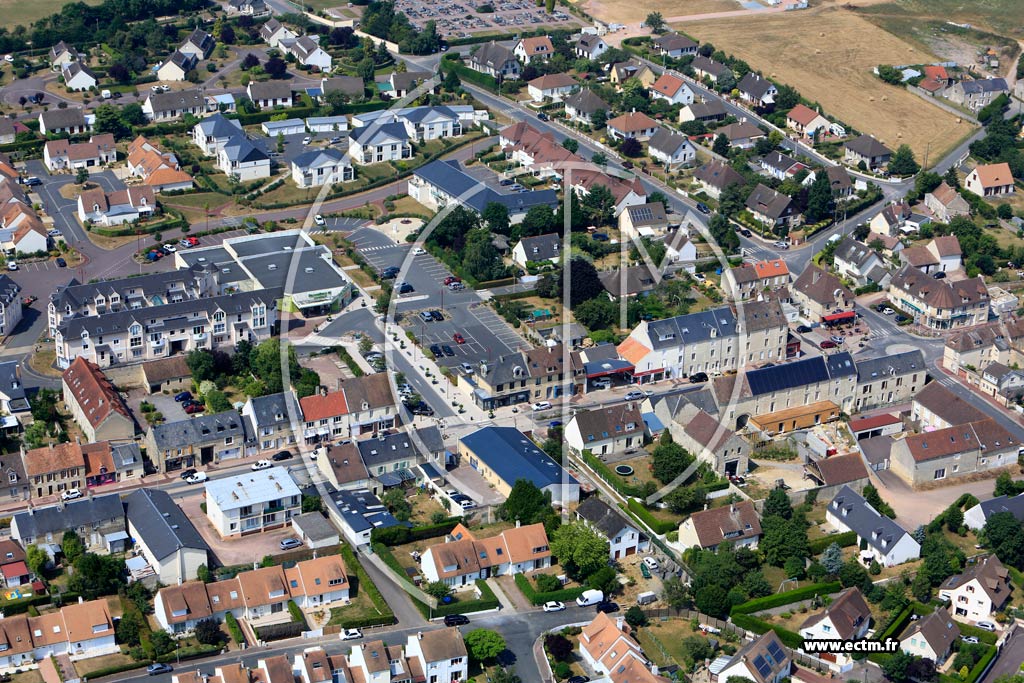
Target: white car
(53,233)
(71,494)
(351,634)
(554,606)
(986,626)
(651,563)
(418,251)
(319,220)
(306,140)
(541,405)
(156,88)
(634,395)
(261,465)
(170,247)
(12,265)
(8,58)
(197,478)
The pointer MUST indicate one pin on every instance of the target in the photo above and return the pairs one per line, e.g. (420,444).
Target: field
(999,16)
(19,12)
(627,11)
(828,55)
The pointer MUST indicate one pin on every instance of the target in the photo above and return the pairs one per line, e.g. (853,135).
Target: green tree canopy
(902,162)
(580,550)
(484,645)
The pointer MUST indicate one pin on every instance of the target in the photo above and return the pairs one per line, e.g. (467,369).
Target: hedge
(789,638)
(21,606)
(163,226)
(606,473)
(191,652)
(348,360)
(297,615)
(24,146)
(118,669)
(266,115)
(845,540)
(658,526)
(363,582)
(486,601)
(234,629)
(485,81)
(280,631)
(400,535)
(531,594)
(780,599)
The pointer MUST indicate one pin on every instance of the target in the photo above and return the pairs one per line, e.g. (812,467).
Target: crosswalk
(382,247)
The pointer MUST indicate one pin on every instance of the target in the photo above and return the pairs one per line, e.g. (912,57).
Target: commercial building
(503,455)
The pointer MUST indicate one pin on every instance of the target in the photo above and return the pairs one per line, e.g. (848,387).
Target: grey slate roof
(692,328)
(754,85)
(768,202)
(867,146)
(350,85)
(163,526)
(852,251)
(379,134)
(12,387)
(850,507)
(602,517)
(82,512)
(717,174)
(709,66)
(1012,504)
(239,148)
(666,141)
(200,430)
(493,55)
(985,85)
(219,126)
(9,290)
(201,39)
(269,90)
(585,102)
(154,287)
(326,156)
(906,363)
(399,446)
(171,101)
(449,176)
(315,526)
(186,61)
(71,117)
(267,409)
(363,511)
(542,247)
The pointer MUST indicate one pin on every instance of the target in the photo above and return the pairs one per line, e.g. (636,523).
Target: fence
(662,613)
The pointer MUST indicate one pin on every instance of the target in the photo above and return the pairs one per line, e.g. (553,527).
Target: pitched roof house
(737,523)
(990,180)
(931,637)
(606,429)
(819,293)
(772,208)
(946,203)
(632,125)
(763,660)
(757,90)
(887,542)
(583,104)
(464,558)
(674,45)
(983,588)
(867,149)
(624,538)
(715,176)
(495,60)
(939,304)
(538,47)
(95,404)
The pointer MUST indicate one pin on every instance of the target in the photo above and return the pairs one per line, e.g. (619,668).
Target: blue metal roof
(800,373)
(512,456)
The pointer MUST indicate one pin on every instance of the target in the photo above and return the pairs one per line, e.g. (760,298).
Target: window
(940,473)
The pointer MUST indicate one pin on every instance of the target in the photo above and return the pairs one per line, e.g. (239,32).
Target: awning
(837,317)
(394,478)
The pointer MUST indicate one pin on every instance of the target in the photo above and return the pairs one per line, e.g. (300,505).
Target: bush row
(364,583)
(486,601)
(658,526)
(400,535)
(348,360)
(234,629)
(564,595)
(780,599)
(289,629)
(190,652)
(845,540)
(117,669)
(789,638)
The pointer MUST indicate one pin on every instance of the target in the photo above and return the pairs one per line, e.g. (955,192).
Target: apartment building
(939,304)
(750,280)
(271,419)
(252,502)
(361,406)
(889,380)
(201,440)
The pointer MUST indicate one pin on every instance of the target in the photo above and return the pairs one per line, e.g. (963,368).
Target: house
(352,86)
(859,263)
(463,558)
(308,52)
(359,512)
(95,404)
(77,631)
(495,60)
(169,106)
(708,111)
(931,637)
(818,293)
(61,154)
(537,249)
(936,79)
(635,125)
(643,220)
(840,182)
(1001,382)
(774,209)
(583,104)
(116,208)
(360,406)
(762,660)
(606,430)
(534,151)
(836,470)
(213,132)
(805,121)
(273,32)
(249,8)
(624,539)
(319,581)
(621,72)
(750,280)
(946,248)
(711,442)
(671,149)
(975,517)
(15,484)
(61,54)
(551,87)
(98,521)
(939,304)
(981,590)
(27,237)
(890,379)
(590,46)
(57,121)
(741,135)
(886,541)
(715,176)
(625,192)
(780,166)
(936,407)
(441,654)
(377,143)
(607,645)
(10,306)
(321,167)
(53,470)
(243,161)
(757,90)
(423,123)
(391,459)
(443,181)
(199,43)
(77,76)
(672,89)
(945,203)
(177,66)
(954,452)
(271,419)
(159,170)
(342,465)
(403,84)
(628,281)
(892,221)
(680,249)
(270,94)
(252,502)
(846,618)
(9,130)
(13,399)
(706,68)
(990,180)
(528,49)
(674,45)
(165,536)
(213,438)
(867,150)
(976,94)
(737,524)
(503,455)
(13,570)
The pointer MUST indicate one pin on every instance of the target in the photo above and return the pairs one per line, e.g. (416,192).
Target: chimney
(80,599)
(419,634)
(517,522)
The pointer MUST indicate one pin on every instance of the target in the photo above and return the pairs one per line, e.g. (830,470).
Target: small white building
(553,87)
(77,76)
(441,653)
(321,166)
(737,524)
(931,637)
(624,538)
(243,160)
(377,143)
(846,618)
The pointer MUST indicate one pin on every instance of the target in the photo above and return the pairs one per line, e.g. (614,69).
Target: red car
(458,338)
(194,408)
(194,241)
(451,278)
(828,344)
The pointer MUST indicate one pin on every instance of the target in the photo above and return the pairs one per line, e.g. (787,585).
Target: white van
(590,597)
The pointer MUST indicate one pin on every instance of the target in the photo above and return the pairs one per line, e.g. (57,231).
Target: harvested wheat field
(632,12)
(827,54)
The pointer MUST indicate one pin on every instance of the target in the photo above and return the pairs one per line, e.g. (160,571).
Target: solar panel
(762,667)
(776,651)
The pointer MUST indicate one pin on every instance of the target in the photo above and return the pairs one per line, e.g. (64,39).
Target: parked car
(436,350)
(451,278)
(746,233)
(12,265)
(541,405)
(447,350)
(466,368)
(197,478)
(389,273)
(456,620)
(703,208)
(579,679)
(437,315)
(418,251)
(828,344)
(651,563)
(187,473)
(698,377)
(941,275)
(426,317)
(183,396)
(969,639)
(986,625)
(781,245)
(542,116)
(319,220)
(837,339)
(607,606)
(422,409)
(61,263)
(306,140)
(456,286)
(458,338)
(634,395)
(261,465)
(53,233)
(192,408)
(71,494)
(889,311)
(281,455)
(803,329)
(290,543)
(901,319)
(405,288)
(554,606)
(156,668)
(351,634)
(554,424)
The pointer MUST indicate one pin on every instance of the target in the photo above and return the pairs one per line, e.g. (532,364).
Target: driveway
(239,550)
(469,481)
(918,507)
(61,209)
(1009,660)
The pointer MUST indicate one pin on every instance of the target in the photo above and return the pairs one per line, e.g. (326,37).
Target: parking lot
(36,266)
(459,20)
(293,146)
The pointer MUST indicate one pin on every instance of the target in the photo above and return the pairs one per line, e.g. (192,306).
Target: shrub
(233,628)
(547,583)
(536,598)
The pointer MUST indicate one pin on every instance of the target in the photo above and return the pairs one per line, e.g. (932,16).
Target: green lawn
(360,609)
(19,12)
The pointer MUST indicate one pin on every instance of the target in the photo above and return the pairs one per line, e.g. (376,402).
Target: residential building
(939,304)
(628,281)
(443,181)
(465,558)
(273,32)
(977,94)
(931,637)
(835,470)
(583,104)
(868,150)
(709,441)
(13,399)
(990,180)
(709,111)
(61,154)
(763,660)
(1002,383)
(643,220)
(839,180)
(441,653)
(503,455)
(715,176)
(13,570)
(818,293)
(606,430)
(165,536)
(319,167)
(138,335)
(425,123)
(806,122)
(195,441)
(860,264)
(358,513)
(61,54)
(633,68)
(892,221)
(981,590)
(976,517)
(708,69)
(240,159)
(95,403)
(674,45)
(757,90)
(607,645)
(199,43)
(308,52)
(97,207)
(780,166)
(954,452)
(551,87)
(252,502)
(741,135)
(635,125)
(391,459)
(886,541)
(77,76)
(98,521)
(343,466)
(359,407)
(170,106)
(889,380)
(537,249)
(378,143)
(10,306)
(846,618)
(976,347)
(271,419)
(270,94)
(751,280)
(935,407)
(946,203)
(495,60)
(78,631)
(53,470)
(624,538)
(590,46)
(213,132)
(671,149)
(403,84)
(528,49)
(352,86)
(774,209)
(177,66)
(70,121)
(672,89)
(159,170)
(736,524)
(249,8)
(625,192)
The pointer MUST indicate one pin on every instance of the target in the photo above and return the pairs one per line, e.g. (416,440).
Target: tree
(1006,538)
(97,575)
(395,501)
(495,215)
(605,580)
(227,34)
(599,206)
(890,74)
(903,162)
(598,158)
(696,649)
(597,314)
(873,498)
(559,646)
(1005,485)
(820,203)
(1004,211)
(896,667)
(217,401)
(108,120)
(655,22)
(312,504)
(852,574)
(438,589)
(787,97)
(777,504)
(484,645)
(526,503)
(631,147)
(204,574)
(952,178)
(580,550)
(686,499)
(208,632)
(451,81)
(249,61)
(129,628)
(163,643)
(508,675)
(721,145)
(635,617)
(782,540)
(276,67)
(201,365)
(832,559)
(669,461)
(795,567)
(82,175)
(72,547)
(675,593)
(921,588)
(571,145)
(712,600)
(36,559)
(585,283)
